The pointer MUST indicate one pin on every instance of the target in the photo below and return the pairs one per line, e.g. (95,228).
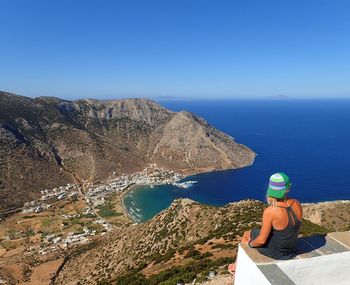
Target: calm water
(307,139)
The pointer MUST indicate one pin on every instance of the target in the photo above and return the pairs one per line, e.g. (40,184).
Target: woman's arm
(265,229)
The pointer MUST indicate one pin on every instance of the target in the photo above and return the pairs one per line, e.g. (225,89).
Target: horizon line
(279,97)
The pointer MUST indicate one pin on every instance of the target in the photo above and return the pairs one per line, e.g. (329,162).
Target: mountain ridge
(47,142)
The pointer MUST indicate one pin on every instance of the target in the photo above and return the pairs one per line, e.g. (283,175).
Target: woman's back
(280,216)
(286,221)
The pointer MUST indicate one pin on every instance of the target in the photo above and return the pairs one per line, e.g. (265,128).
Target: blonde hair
(272,201)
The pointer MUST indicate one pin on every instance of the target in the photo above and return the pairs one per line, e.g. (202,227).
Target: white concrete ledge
(322,260)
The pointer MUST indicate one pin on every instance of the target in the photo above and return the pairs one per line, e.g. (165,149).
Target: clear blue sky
(185,48)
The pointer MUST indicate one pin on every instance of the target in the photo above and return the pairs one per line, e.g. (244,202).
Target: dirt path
(77,180)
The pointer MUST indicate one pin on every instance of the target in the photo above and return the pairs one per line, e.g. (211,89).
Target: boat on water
(185,184)
(190,182)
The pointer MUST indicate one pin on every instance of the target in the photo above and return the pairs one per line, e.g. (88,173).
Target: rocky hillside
(334,215)
(46,142)
(183,242)
(182,235)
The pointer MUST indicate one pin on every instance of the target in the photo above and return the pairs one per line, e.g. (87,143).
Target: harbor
(75,214)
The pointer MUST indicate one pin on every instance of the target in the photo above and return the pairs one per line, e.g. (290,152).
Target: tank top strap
(292,217)
(291,211)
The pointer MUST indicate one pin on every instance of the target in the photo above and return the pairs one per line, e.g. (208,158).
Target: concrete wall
(247,272)
(329,269)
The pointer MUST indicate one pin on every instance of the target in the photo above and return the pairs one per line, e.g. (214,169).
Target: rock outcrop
(334,215)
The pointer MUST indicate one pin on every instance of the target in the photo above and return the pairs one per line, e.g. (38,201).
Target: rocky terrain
(181,235)
(183,242)
(180,242)
(46,142)
(334,215)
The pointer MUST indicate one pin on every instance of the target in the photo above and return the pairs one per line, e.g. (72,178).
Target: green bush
(192,253)
(206,254)
(106,211)
(223,246)
(308,229)
(186,273)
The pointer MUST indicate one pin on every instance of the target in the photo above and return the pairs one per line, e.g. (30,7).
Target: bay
(307,139)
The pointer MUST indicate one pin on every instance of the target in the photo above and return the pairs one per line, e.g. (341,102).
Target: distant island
(279,96)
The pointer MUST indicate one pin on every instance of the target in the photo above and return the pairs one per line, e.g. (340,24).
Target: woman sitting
(281,222)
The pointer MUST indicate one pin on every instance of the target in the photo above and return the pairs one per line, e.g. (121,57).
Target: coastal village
(70,214)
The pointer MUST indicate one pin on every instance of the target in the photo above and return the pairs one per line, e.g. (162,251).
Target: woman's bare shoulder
(297,207)
(270,210)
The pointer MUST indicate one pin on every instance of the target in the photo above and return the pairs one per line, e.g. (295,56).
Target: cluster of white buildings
(52,242)
(89,211)
(69,191)
(95,196)
(151,175)
(154,175)
(47,250)
(35,207)
(107,226)
(72,216)
(62,192)
(73,238)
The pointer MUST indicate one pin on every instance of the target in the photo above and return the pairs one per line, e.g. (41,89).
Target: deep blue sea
(307,139)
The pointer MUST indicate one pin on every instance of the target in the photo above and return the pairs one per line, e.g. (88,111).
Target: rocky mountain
(46,142)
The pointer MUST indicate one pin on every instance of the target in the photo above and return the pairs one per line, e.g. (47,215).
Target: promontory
(46,142)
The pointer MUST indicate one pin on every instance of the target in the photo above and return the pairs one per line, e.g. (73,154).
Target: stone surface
(256,256)
(342,237)
(325,245)
(306,250)
(318,256)
(309,247)
(275,275)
